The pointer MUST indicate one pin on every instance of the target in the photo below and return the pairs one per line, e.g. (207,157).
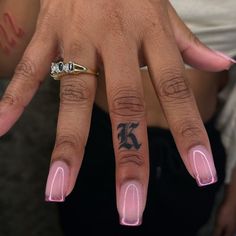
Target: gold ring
(60,69)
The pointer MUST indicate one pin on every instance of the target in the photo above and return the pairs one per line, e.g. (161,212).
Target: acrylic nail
(131,203)
(225,57)
(57,182)
(202,164)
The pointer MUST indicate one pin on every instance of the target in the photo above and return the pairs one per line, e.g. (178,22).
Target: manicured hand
(116,37)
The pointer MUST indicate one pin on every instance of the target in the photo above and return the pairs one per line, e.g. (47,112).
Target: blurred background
(24,162)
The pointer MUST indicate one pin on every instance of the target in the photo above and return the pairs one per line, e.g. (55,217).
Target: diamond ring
(60,69)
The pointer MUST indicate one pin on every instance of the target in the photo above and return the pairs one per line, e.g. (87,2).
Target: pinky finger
(194,52)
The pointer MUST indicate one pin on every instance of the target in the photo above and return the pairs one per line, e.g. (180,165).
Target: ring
(60,69)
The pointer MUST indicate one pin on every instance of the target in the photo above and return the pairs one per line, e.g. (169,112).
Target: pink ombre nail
(57,182)
(130,205)
(225,57)
(202,165)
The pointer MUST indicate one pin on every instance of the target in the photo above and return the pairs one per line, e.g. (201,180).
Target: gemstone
(54,68)
(66,68)
(60,66)
(71,66)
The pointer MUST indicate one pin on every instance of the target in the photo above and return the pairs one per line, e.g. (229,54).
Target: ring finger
(77,94)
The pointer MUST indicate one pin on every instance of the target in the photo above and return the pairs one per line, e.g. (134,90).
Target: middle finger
(128,118)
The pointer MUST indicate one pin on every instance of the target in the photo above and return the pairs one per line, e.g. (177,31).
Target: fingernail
(57,182)
(202,164)
(131,204)
(225,57)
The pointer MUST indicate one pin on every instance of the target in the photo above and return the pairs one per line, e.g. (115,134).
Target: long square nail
(202,164)
(57,182)
(131,204)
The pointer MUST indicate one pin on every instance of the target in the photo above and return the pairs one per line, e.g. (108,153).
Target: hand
(226,220)
(119,37)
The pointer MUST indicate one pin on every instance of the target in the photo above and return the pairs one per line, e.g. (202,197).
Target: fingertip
(202,165)
(131,203)
(57,182)
(203,58)
(225,57)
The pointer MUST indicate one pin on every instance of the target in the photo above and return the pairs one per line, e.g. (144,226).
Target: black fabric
(175,204)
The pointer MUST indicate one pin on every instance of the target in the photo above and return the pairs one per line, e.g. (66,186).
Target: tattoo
(16,29)
(126,136)
(6,41)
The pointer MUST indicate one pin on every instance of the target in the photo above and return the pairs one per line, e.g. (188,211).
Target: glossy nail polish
(202,165)
(57,182)
(225,57)
(131,203)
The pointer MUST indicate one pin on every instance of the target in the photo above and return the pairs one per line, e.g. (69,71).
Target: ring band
(60,69)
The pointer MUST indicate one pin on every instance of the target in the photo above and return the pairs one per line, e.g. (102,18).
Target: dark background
(24,162)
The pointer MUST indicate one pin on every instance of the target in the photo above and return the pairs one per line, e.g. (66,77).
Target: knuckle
(173,87)
(10,99)
(69,141)
(131,158)
(189,129)
(128,103)
(25,69)
(75,92)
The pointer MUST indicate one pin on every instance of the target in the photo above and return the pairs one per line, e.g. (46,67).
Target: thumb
(193,51)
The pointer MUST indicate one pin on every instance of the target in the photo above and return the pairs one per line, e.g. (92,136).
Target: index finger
(29,73)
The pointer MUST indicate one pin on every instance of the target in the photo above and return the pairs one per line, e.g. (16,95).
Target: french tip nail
(202,164)
(201,182)
(57,182)
(128,223)
(131,204)
(230,59)
(50,199)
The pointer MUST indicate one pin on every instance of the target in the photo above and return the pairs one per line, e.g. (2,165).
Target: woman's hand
(226,220)
(116,37)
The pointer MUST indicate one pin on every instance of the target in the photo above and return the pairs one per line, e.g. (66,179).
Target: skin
(21,31)
(109,41)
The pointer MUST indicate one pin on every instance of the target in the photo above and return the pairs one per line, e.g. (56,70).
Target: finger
(194,52)
(179,106)
(127,112)
(28,75)
(76,101)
